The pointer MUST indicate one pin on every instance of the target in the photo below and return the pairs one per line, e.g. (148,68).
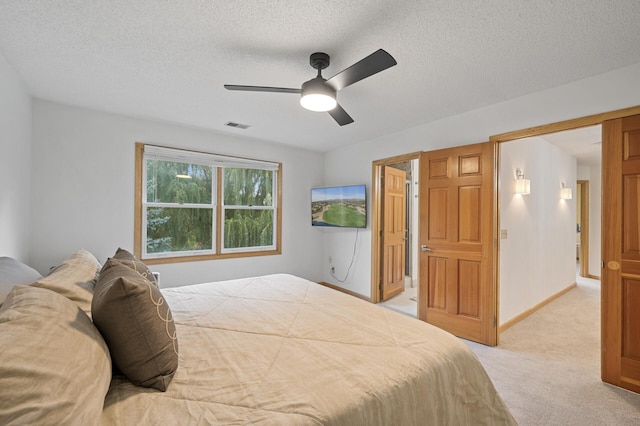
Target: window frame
(217,251)
(225,207)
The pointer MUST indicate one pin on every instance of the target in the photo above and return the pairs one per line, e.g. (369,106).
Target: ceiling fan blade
(340,115)
(261,89)
(378,61)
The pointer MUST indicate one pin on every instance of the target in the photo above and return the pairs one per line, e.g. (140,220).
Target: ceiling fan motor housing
(318,85)
(319,60)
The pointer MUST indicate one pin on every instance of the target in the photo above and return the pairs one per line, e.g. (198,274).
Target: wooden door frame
(376,217)
(584,228)
(571,124)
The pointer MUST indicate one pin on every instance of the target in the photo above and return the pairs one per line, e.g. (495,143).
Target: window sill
(201,257)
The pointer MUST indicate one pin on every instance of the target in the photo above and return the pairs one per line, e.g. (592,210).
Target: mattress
(281,350)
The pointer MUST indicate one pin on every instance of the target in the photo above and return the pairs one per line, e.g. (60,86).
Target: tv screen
(343,206)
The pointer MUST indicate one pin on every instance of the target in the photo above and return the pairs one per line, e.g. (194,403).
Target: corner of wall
(15,164)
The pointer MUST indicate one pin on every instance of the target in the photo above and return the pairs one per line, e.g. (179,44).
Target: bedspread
(281,350)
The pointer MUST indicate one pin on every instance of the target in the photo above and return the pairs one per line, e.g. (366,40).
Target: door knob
(424,247)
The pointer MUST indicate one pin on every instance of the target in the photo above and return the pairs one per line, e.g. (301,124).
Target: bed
(281,350)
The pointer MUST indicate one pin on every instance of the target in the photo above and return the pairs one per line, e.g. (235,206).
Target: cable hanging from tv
(353,256)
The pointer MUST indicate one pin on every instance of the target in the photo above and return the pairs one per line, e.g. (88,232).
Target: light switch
(503,234)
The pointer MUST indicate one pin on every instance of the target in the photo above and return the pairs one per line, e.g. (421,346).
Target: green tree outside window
(180,207)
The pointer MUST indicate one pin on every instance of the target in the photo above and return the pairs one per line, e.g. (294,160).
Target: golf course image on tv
(342,206)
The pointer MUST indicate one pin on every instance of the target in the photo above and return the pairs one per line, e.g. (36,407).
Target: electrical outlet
(333,270)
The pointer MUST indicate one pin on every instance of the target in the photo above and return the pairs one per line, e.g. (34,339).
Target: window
(192,205)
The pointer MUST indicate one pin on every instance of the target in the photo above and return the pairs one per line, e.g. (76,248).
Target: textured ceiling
(585,144)
(168,60)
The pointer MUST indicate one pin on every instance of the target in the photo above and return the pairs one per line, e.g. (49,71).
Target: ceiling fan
(319,94)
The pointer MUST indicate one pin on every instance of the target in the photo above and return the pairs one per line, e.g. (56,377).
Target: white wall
(339,242)
(15,164)
(583,172)
(537,259)
(606,92)
(83,191)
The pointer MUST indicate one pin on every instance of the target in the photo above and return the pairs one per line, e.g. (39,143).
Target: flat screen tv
(342,206)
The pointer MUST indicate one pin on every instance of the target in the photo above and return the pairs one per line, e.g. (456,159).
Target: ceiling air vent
(237,125)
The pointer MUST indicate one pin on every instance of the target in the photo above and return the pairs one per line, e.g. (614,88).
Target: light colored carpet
(547,366)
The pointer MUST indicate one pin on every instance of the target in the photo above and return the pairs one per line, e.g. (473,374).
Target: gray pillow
(55,366)
(13,273)
(137,325)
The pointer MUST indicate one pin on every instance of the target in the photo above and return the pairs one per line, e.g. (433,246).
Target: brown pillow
(137,325)
(55,365)
(128,259)
(74,278)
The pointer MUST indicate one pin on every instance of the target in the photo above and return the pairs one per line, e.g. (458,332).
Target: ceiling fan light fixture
(316,95)
(318,102)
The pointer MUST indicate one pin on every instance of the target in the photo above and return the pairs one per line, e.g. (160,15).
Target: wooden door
(457,285)
(621,252)
(394,204)
(583,188)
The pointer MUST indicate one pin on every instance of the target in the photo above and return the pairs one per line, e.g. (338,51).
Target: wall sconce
(523,186)
(565,193)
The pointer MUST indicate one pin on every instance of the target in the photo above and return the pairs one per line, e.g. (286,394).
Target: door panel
(469,223)
(631,292)
(393,232)
(439,168)
(456,230)
(438,219)
(630,211)
(621,253)
(469,288)
(437,283)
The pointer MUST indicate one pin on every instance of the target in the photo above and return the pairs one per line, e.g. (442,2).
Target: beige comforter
(280,350)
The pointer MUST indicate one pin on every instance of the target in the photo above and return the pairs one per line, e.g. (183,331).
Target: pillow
(13,273)
(137,325)
(128,259)
(55,366)
(74,278)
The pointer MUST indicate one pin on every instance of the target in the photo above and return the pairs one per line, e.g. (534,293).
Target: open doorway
(404,300)
(619,224)
(585,145)
(620,165)
(545,232)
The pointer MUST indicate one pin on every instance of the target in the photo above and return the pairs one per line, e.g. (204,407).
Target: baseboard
(344,290)
(593,277)
(530,311)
